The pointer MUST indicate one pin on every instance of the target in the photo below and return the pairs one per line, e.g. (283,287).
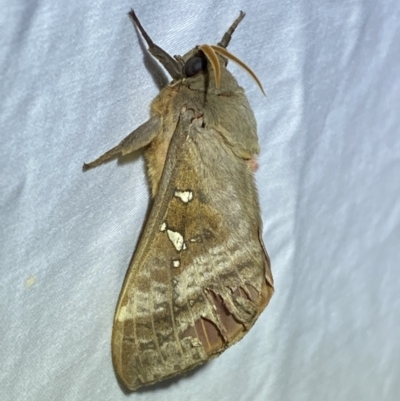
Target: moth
(200,275)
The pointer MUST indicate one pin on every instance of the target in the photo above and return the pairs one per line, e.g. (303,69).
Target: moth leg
(137,139)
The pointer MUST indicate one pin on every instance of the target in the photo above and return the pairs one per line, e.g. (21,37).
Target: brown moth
(200,276)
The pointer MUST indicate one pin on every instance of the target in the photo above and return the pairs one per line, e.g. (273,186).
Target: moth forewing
(200,275)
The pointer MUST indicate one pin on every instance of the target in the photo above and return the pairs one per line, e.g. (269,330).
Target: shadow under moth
(200,275)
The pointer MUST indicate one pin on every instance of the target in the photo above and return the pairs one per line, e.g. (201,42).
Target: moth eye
(195,65)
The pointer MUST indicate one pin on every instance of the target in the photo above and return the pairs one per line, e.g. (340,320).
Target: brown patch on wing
(214,339)
(209,334)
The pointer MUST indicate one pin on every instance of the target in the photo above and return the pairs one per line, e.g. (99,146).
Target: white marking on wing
(184,196)
(176,239)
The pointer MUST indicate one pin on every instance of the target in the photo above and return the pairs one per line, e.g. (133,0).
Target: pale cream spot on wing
(196,342)
(176,263)
(122,315)
(176,239)
(163,227)
(184,196)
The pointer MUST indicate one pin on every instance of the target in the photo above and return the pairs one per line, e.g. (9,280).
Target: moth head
(204,59)
(193,63)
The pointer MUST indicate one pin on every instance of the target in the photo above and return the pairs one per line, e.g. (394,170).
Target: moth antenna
(225,53)
(169,63)
(228,34)
(212,57)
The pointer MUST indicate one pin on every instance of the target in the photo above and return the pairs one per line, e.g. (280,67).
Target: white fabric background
(74,83)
